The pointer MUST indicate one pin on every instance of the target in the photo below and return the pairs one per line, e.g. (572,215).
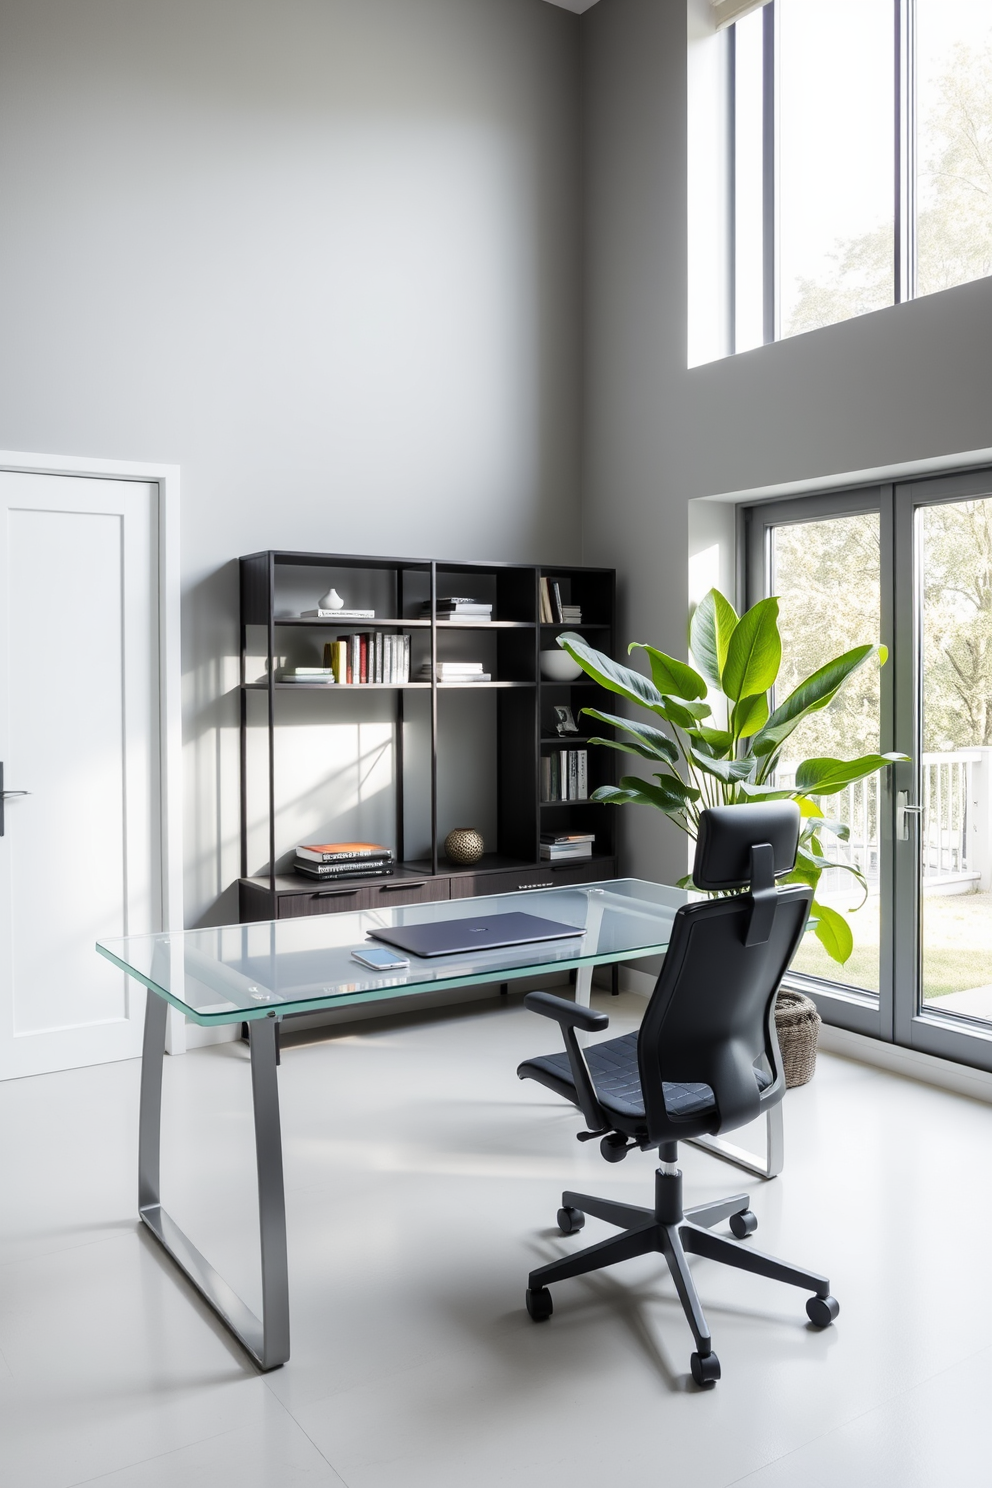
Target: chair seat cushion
(613,1066)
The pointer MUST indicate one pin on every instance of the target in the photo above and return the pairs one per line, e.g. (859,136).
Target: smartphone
(379,959)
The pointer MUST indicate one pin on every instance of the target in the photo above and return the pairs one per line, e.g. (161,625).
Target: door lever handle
(903,812)
(4,796)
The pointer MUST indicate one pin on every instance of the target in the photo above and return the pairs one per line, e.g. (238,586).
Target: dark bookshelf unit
(404,763)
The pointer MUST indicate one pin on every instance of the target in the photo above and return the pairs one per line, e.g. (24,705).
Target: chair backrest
(712,1012)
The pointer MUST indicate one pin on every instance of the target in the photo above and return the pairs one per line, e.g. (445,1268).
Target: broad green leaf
(684,715)
(833,932)
(766,792)
(634,746)
(815,693)
(825,777)
(671,676)
(809,808)
(755,652)
(713,622)
(749,715)
(729,771)
(641,731)
(668,795)
(717,741)
(610,674)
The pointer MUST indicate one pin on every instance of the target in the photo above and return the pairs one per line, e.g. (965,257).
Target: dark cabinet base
(295,897)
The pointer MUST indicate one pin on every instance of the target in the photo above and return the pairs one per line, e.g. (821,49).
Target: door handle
(5,795)
(903,813)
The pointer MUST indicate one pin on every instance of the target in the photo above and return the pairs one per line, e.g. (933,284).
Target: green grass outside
(957,946)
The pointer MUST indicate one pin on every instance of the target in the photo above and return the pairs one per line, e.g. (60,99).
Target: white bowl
(558,666)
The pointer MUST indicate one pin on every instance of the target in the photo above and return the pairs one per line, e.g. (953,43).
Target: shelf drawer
(580,873)
(323,901)
(502,883)
(388,895)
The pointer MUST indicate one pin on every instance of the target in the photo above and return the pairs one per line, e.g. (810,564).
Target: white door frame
(166,478)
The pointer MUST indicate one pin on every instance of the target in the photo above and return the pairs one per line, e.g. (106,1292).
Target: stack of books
(368,658)
(337,615)
(565,775)
(459,608)
(334,860)
(564,847)
(554,610)
(456,671)
(308,675)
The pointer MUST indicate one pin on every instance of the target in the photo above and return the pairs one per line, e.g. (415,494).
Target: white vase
(331,601)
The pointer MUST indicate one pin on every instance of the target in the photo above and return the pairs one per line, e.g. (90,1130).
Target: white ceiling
(577,5)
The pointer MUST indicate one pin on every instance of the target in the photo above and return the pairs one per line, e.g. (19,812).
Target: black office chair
(705,1060)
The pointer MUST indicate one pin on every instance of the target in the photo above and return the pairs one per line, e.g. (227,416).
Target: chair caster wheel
(570,1220)
(743,1224)
(539,1304)
(705,1369)
(821,1311)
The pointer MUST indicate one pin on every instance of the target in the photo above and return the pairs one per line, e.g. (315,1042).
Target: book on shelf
(337,614)
(456,671)
(308,674)
(557,839)
(470,609)
(563,853)
(544,601)
(565,775)
(571,614)
(335,872)
(342,852)
(369,657)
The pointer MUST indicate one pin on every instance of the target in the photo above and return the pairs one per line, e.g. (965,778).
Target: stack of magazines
(565,847)
(459,608)
(456,671)
(334,860)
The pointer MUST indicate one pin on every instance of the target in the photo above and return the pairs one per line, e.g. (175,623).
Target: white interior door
(81,853)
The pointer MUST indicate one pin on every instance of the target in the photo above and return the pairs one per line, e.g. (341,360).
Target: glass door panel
(826,574)
(953,825)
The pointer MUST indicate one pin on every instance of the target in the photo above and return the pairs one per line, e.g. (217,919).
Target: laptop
(480,933)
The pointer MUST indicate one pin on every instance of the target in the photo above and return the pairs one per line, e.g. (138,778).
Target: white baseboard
(913,1063)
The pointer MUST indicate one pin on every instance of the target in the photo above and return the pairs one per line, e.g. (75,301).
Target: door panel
(78,731)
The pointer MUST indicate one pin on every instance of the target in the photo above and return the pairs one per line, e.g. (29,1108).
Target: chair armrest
(569,1017)
(568,1014)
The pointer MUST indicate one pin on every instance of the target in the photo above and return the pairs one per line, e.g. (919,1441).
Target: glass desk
(259,973)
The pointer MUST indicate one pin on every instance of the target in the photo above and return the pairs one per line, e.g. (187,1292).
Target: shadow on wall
(211,768)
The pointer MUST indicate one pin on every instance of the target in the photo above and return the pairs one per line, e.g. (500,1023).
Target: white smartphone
(379,959)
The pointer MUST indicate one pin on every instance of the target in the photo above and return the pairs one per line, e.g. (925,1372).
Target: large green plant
(725,740)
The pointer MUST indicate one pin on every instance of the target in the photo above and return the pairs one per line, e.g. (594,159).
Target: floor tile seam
(300,1427)
(196,1441)
(44,1255)
(858,1416)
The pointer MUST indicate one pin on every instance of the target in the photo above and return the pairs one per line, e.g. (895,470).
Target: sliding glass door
(909,564)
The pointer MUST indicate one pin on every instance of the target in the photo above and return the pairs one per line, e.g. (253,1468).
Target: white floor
(422,1184)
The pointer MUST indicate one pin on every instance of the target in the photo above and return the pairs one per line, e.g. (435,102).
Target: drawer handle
(395,888)
(335,893)
(548,885)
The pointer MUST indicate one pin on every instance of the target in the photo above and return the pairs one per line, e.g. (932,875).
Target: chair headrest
(728,833)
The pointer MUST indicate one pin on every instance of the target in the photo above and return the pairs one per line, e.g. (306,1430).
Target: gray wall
(322,255)
(900,385)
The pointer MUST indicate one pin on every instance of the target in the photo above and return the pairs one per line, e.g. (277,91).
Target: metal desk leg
(583,986)
(741,1158)
(267,1341)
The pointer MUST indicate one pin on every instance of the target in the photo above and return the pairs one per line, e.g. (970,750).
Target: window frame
(904,61)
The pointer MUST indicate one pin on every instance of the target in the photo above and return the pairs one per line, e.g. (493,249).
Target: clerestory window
(860,159)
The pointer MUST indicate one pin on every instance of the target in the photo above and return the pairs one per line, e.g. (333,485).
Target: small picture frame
(564,722)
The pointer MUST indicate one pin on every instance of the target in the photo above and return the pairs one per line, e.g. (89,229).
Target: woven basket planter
(797,1023)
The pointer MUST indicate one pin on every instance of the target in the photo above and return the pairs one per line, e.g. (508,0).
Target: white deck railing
(955,836)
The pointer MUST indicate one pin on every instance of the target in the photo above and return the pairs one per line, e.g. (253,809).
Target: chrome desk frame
(266,1340)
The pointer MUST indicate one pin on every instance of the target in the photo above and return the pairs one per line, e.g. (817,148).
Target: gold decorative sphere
(464,845)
